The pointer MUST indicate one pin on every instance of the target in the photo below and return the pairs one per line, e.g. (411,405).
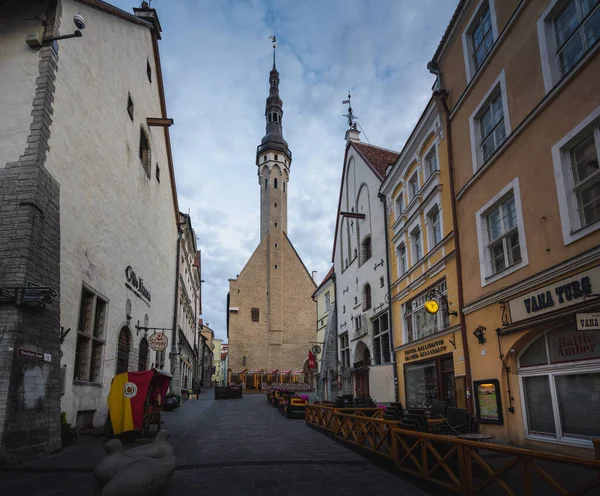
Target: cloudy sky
(216,58)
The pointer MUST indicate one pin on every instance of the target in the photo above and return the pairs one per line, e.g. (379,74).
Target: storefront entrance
(361,383)
(430,380)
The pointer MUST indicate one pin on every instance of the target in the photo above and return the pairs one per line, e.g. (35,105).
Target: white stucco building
(109,152)
(359,256)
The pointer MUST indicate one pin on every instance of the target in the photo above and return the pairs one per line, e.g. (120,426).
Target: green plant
(69,434)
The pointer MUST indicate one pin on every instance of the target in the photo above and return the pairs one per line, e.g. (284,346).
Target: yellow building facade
(521,80)
(428,348)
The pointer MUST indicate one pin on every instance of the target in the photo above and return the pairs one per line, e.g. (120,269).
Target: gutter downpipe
(442,94)
(174,332)
(389,294)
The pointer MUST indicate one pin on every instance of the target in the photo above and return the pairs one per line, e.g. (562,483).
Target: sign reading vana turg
(136,284)
(588,321)
(555,296)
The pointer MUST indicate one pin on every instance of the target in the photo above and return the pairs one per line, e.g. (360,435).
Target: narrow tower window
(266,183)
(130,106)
(145,152)
(148,70)
(275,182)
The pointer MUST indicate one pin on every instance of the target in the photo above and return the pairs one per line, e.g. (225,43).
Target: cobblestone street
(245,447)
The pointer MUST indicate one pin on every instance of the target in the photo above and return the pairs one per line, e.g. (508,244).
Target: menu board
(487,397)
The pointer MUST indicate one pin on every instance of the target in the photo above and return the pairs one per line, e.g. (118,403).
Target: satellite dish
(316,349)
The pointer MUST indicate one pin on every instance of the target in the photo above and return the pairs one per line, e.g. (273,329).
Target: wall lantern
(479,334)
(179,348)
(432,305)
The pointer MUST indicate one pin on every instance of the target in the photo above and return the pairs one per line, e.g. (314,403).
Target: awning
(284,371)
(272,371)
(258,371)
(296,372)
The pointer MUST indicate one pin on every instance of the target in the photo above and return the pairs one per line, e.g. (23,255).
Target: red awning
(272,371)
(285,372)
(298,372)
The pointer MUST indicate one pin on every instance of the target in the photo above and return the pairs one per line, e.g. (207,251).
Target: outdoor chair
(456,422)
(438,409)
(419,419)
(409,424)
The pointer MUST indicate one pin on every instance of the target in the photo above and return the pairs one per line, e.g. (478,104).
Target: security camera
(79,21)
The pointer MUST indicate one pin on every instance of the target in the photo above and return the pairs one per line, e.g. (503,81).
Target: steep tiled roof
(379,158)
(449,28)
(327,277)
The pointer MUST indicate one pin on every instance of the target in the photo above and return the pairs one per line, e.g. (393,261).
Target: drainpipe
(389,293)
(442,94)
(174,334)
(337,343)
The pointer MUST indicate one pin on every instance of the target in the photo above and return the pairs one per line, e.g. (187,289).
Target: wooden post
(596,442)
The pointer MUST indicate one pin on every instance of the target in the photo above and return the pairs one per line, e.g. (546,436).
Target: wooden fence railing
(462,466)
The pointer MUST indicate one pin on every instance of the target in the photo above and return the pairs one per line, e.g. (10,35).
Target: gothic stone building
(271,314)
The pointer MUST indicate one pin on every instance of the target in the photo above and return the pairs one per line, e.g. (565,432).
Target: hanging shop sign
(588,321)
(158,341)
(136,284)
(555,296)
(487,398)
(425,350)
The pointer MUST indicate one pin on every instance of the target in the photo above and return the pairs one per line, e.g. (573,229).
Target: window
(489,123)
(431,164)
(479,37)
(90,337)
(577,28)
(130,106)
(418,323)
(266,183)
(327,301)
(417,245)
(264,158)
(365,249)
(366,297)
(381,282)
(276,226)
(381,340)
(561,384)
(413,186)
(284,186)
(143,355)
(275,245)
(255,314)
(345,350)
(275,264)
(435,226)
(275,182)
(576,161)
(344,309)
(145,152)
(148,70)
(501,235)
(399,206)
(157,173)
(276,157)
(276,203)
(402,264)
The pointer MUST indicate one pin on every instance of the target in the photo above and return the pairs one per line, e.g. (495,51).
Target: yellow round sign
(432,306)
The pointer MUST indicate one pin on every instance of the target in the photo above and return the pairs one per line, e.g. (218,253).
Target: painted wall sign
(136,284)
(567,345)
(46,357)
(555,296)
(425,350)
(158,341)
(588,321)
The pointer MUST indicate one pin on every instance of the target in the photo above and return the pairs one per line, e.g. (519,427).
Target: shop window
(421,384)
(561,384)
(418,323)
(90,337)
(381,340)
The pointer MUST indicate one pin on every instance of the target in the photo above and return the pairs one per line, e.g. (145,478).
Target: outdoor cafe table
(475,436)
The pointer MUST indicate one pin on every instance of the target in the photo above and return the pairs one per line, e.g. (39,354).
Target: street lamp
(179,348)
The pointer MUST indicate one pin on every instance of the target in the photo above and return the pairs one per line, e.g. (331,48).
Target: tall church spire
(273,138)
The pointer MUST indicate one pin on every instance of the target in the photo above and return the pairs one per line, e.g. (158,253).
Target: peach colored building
(521,85)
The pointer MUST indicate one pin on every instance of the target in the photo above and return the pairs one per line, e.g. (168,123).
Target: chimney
(352,134)
(149,14)
(314,276)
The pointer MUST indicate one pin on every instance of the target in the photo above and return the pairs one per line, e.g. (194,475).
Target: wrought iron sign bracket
(453,340)
(505,319)
(511,408)
(434,293)
(63,334)
(146,329)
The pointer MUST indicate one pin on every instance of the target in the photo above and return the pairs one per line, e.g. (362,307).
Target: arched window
(123,347)
(366,250)
(275,183)
(284,186)
(366,297)
(143,356)
(266,183)
(145,152)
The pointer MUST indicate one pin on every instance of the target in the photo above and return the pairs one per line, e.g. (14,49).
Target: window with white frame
(576,160)
(435,226)
(345,350)
(431,164)
(381,340)
(413,186)
(399,206)
(479,37)
(327,301)
(418,323)
(567,30)
(417,245)
(560,381)
(489,123)
(90,337)
(501,235)
(402,262)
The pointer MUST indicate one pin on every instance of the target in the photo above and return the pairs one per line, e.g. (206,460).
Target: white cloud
(216,59)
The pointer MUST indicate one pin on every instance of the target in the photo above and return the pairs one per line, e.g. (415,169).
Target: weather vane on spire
(274,40)
(350,115)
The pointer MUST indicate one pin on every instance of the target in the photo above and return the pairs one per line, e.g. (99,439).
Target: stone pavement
(227,447)
(245,447)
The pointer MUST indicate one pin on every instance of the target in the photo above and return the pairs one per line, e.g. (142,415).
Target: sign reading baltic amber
(425,350)
(555,296)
